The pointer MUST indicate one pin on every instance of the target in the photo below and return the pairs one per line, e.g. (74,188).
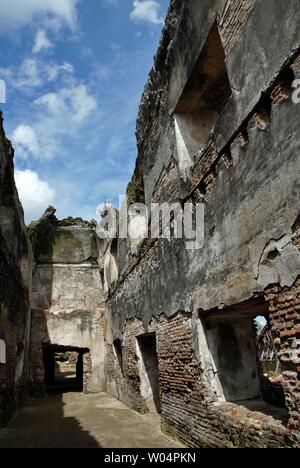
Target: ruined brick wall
(232,21)
(284,306)
(15,286)
(125,383)
(188,409)
(246,174)
(131,374)
(180,381)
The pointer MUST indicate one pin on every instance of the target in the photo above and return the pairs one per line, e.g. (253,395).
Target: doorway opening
(267,353)
(271,371)
(118,349)
(234,363)
(65,368)
(149,371)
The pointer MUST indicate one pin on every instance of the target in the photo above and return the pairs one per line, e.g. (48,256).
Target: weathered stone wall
(67,295)
(15,288)
(247,175)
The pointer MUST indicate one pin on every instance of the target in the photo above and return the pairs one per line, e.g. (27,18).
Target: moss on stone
(169,431)
(65,240)
(226,440)
(132,189)
(135,189)
(60,244)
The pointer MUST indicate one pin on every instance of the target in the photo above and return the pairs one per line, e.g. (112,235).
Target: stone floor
(74,420)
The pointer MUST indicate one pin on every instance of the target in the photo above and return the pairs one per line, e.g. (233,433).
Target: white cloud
(35,194)
(146,11)
(26,76)
(57,116)
(70,103)
(35,73)
(18,13)
(82,102)
(41,42)
(54,116)
(25,141)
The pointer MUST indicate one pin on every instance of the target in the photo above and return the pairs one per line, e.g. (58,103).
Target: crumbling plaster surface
(250,69)
(63,288)
(79,329)
(256,60)
(252,203)
(262,185)
(68,294)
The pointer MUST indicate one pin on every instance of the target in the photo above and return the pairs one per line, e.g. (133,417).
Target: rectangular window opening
(118,349)
(203,100)
(236,345)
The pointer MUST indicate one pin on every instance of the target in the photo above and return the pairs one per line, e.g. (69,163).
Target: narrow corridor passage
(75,420)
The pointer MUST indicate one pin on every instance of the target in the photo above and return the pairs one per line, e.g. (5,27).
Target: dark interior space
(63,369)
(204,97)
(147,346)
(208,87)
(119,353)
(243,354)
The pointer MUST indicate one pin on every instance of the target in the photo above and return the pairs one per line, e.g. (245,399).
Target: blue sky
(75,71)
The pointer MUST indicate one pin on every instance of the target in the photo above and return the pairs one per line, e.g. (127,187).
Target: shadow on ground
(77,420)
(43,424)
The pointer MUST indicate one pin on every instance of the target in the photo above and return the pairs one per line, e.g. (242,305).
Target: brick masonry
(189,409)
(233,19)
(284,307)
